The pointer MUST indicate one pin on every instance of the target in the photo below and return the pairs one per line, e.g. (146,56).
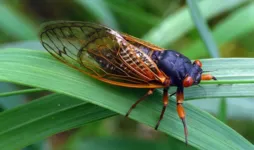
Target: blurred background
(164,23)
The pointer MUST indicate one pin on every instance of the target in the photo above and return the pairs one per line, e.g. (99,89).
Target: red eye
(188,81)
(198,63)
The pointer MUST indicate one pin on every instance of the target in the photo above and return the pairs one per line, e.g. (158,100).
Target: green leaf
(203,28)
(106,143)
(10,102)
(233,27)
(136,18)
(5,94)
(44,117)
(12,22)
(222,114)
(101,11)
(39,69)
(176,25)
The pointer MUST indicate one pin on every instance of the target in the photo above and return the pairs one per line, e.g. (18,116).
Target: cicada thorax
(153,54)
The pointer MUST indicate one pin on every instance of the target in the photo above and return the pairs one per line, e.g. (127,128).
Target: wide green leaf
(43,117)
(39,69)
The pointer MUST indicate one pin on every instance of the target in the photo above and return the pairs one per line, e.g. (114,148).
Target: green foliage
(15,25)
(81,100)
(56,112)
(176,25)
(232,28)
(203,29)
(17,69)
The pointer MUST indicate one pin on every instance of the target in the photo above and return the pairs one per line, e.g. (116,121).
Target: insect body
(120,59)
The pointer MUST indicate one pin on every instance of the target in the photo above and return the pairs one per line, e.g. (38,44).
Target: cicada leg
(180,110)
(207,77)
(138,101)
(165,103)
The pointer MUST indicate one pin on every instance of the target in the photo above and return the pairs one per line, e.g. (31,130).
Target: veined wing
(141,43)
(96,51)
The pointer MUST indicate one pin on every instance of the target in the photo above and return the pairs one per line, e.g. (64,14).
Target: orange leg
(165,103)
(180,110)
(207,77)
(138,101)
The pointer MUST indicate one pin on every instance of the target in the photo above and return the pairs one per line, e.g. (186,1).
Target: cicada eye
(188,81)
(197,62)
(198,78)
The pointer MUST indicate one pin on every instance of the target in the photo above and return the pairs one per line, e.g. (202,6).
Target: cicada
(122,60)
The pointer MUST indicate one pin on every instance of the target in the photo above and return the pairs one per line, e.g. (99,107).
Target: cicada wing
(141,43)
(92,49)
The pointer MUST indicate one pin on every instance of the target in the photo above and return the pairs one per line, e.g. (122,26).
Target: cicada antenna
(209,71)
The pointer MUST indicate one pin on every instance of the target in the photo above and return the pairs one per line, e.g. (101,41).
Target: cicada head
(180,69)
(193,77)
